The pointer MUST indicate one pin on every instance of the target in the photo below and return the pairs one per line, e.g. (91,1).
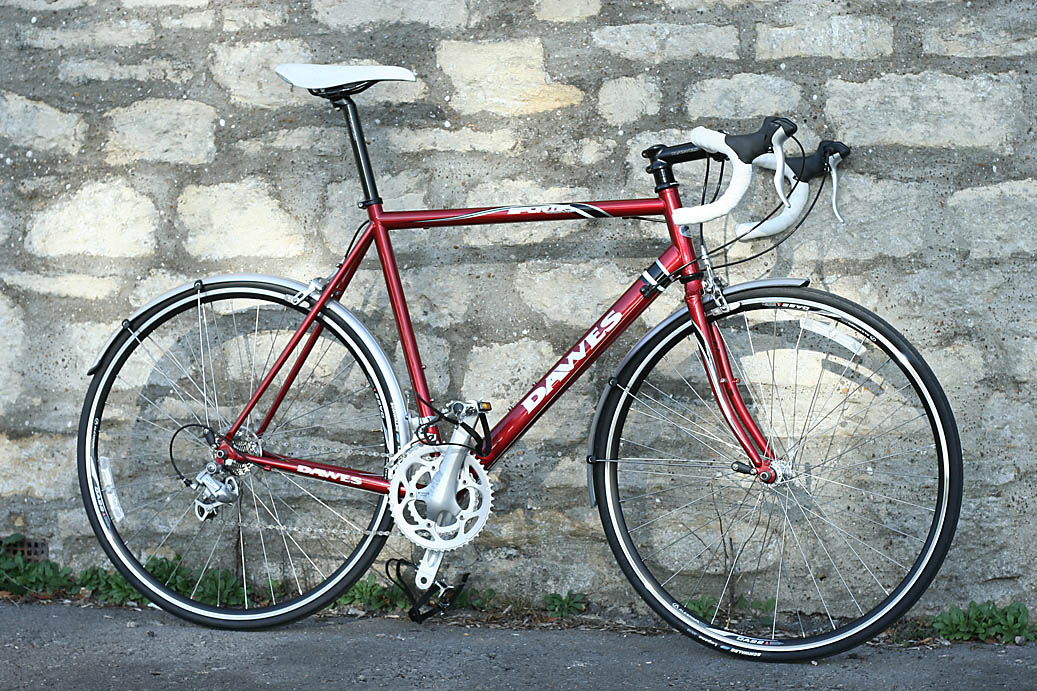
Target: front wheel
(266,547)
(869,487)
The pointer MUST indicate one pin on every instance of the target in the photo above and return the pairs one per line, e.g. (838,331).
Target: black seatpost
(363,163)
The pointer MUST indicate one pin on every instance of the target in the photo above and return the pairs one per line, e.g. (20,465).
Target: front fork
(713,351)
(724,386)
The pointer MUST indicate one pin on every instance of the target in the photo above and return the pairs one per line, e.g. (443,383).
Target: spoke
(687,431)
(321,502)
(172,384)
(157,407)
(661,491)
(690,410)
(750,382)
(734,561)
(299,386)
(806,562)
(262,542)
(824,548)
(869,440)
(205,567)
(868,492)
(781,562)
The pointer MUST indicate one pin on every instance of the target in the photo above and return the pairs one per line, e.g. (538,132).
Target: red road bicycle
(777,470)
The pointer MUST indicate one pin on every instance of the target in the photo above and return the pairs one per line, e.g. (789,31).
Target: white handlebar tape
(791,214)
(741,176)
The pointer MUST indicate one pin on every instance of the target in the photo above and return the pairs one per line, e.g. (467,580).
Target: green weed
(986,622)
(371,596)
(570,604)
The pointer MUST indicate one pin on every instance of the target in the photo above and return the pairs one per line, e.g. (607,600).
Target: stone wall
(144,143)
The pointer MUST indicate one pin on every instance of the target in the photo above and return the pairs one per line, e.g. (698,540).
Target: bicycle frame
(678,259)
(677,262)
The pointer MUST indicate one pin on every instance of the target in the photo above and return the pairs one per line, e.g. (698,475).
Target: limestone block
(991,221)
(318,141)
(978,35)
(56,362)
(400,192)
(155,283)
(158,129)
(502,77)
(438,296)
(711,4)
(49,5)
(237,219)
(349,14)
(568,421)
(101,219)
(565,10)
(592,151)
(79,286)
(190,21)
(240,18)
(930,109)
(658,43)
(246,70)
(6,222)
(12,337)
(743,96)
(36,125)
(81,71)
(122,33)
(502,372)
(847,37)
(590,289)
(41,467)
(435,353)
(626,99)
(883,218)
(465,139)
(164,3)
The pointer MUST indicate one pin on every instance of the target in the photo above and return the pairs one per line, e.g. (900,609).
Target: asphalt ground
(69,646)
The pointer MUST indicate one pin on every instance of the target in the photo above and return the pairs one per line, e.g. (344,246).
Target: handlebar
(804,169)
(741,151)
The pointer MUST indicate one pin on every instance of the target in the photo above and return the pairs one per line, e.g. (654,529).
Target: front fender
(731,293)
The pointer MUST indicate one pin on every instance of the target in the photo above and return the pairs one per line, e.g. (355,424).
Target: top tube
(428,218)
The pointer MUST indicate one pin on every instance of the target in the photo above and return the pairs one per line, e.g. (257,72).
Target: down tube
(574,363)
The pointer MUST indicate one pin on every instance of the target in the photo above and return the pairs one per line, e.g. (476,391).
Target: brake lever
(833,161)
(777,140)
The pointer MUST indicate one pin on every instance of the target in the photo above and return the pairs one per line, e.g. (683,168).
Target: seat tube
(391,273)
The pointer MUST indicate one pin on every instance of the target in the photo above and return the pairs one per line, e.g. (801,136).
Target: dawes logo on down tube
(562,370)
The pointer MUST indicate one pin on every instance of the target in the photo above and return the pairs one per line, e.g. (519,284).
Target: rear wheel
(278,546)
(861,517)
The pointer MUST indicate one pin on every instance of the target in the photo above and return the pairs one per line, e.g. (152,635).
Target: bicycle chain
(319,531)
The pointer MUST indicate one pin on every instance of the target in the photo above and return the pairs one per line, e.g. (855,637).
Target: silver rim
(285,541)
(833,546)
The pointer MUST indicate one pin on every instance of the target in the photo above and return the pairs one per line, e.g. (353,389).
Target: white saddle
(330,76)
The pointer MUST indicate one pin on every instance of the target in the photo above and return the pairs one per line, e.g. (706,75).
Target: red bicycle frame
(677,262)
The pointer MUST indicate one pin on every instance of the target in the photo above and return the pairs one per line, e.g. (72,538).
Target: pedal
(443,593)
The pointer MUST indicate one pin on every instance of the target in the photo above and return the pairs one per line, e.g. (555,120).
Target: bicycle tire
(859,523)
(288,545)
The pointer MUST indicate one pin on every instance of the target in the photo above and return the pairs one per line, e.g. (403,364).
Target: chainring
(474,496)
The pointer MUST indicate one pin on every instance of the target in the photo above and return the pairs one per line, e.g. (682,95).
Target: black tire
(287,545)
(849,537)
